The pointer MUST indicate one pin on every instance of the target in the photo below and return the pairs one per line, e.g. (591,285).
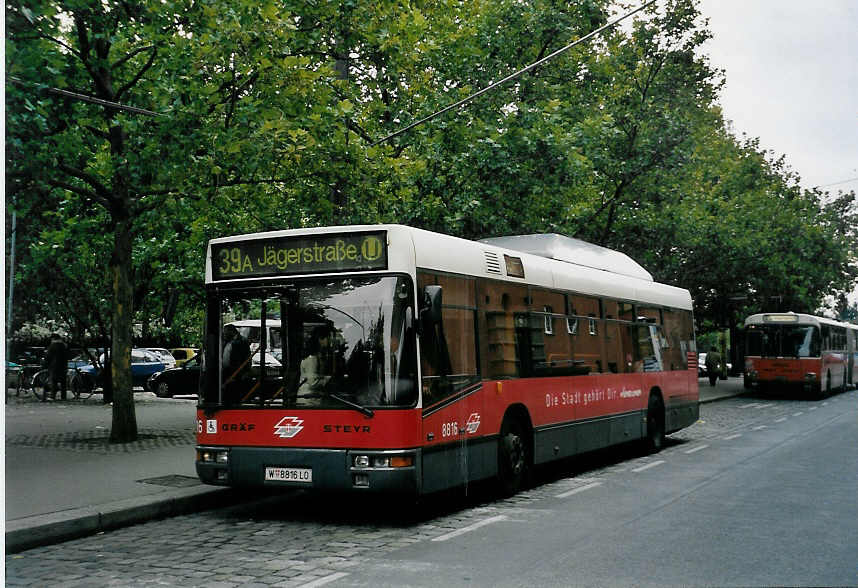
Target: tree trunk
(124,428)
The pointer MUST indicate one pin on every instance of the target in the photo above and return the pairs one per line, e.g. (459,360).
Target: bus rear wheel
(654,424)
(513,456)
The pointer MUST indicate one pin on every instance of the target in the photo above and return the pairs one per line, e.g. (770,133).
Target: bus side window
(448,350)
(500,303)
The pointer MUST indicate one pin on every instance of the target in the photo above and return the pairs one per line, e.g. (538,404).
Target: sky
(792,81)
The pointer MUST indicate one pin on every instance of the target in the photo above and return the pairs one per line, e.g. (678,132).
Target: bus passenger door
(450,380)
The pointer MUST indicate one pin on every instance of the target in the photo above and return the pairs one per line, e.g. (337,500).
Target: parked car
(165,356)
(701,365)
(82,358)
(144,363)
(185,379)
(180,380)
(183,354)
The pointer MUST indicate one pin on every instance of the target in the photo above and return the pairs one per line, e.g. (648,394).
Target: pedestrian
(56,360)
(713,366)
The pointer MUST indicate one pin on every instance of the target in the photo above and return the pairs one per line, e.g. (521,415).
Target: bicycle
(38,384)
(79,384)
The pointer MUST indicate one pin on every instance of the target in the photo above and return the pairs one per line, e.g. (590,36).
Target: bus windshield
(783,341)
(332,343)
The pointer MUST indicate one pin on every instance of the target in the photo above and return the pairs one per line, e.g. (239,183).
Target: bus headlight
(382,461)
(213,456)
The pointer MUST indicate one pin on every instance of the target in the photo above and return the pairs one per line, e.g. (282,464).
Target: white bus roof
(575,251)
(552,261)
(786,318)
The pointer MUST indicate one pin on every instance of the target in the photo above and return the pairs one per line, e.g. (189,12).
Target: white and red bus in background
(438,361)
(799,350)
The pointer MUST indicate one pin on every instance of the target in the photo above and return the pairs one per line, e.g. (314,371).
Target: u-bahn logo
(371,248)
(288,427)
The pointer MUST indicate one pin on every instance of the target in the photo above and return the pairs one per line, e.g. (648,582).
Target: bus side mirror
(430,309)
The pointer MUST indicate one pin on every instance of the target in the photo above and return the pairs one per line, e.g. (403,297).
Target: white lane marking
(648,466)
(759,428)
(696,449)
(731,437)
(469,528)
(324,580)
(813,407)
(799,413)
(766,405)
(780,420)
(577,490)
(753,405)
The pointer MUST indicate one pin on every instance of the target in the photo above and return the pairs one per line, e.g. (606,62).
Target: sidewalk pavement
(64,480)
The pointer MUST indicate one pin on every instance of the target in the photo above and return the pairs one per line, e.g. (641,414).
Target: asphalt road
(760,492)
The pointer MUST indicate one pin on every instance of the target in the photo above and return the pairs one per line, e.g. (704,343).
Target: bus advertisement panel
(400,360)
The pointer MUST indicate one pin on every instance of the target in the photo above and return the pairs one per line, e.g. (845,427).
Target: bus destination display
(309,254)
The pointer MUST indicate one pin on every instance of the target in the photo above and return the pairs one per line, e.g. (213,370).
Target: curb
(36,531)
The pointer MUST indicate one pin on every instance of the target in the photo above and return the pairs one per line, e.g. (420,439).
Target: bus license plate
(288,474)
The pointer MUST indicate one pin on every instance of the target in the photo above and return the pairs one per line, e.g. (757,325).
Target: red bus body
(447,439)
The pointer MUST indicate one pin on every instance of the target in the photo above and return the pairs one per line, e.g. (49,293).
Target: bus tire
(654,440)
(513,455)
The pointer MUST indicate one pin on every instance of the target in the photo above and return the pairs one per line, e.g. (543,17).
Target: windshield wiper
(361,409)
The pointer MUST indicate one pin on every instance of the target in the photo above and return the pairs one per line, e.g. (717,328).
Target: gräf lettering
(229,427)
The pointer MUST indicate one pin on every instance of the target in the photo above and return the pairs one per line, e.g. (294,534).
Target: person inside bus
(236,356)
(314,376)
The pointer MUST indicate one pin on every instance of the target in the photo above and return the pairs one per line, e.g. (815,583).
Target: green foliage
(267,117)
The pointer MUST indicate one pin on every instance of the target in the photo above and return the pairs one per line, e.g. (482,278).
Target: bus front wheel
(513,456)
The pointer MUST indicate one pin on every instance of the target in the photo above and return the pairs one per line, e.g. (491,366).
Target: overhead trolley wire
(512,76)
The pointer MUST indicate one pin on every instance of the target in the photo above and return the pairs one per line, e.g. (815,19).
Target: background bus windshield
(783,341)
(330,343)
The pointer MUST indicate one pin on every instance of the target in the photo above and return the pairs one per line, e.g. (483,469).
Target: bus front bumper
(327,469)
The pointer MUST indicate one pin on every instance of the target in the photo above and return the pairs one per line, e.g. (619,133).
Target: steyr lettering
(345,428)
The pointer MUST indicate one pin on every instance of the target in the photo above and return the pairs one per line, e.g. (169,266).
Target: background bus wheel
(654,424)
(513,458)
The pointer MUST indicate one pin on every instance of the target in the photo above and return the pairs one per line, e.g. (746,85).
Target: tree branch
(100,189)
(139,75)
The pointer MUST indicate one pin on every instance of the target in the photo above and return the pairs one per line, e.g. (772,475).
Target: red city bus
(414,362)
(798,350)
